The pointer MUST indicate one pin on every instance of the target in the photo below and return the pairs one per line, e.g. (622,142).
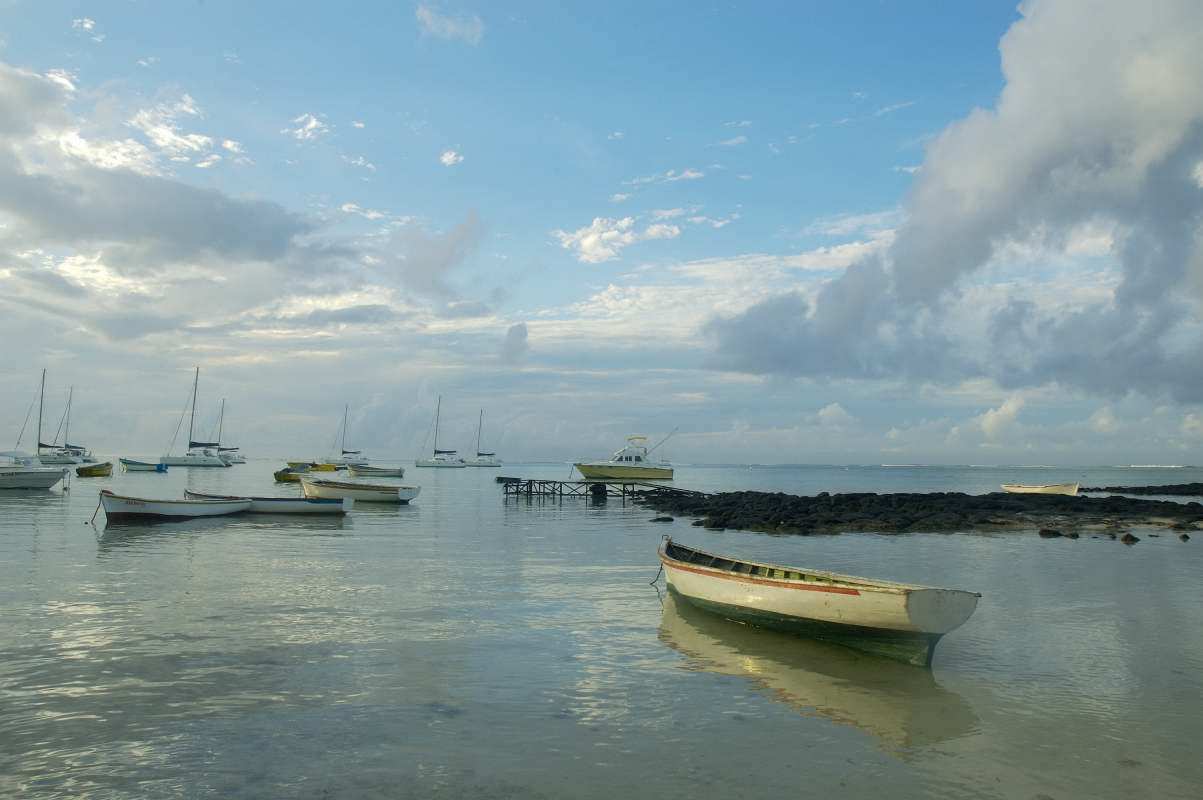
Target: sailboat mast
(192,417)
(437,409)
(346,408)
(67,432)
(479,425)
(221,418)
(41,399)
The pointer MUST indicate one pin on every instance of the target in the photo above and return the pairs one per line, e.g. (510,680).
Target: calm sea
(468,647)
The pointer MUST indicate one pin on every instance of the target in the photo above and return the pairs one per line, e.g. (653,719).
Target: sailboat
(482,459)
(347,457)
(440,458)
(25,471)
(200,454)
(230,455)
(65,453)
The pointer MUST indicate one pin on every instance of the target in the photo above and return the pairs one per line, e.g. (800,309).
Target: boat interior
(688,555)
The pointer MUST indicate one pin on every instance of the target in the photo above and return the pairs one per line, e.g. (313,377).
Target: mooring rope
(658,574)
(92,521)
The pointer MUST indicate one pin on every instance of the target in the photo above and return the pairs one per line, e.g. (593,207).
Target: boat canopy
(444,452)
(192,444)
(351,452)
(478,453)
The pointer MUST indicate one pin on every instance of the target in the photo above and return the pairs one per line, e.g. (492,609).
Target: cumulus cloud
(739,123)
(161,125)
(1096,123)
(465,29)
(450,158)
(308,128)
(671,176)
(605,237)
(734,141)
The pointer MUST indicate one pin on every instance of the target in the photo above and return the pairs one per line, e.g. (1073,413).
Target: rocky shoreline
(1173,489)
(774,512)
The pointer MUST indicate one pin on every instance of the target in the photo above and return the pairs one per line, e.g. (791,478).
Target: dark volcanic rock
(1049,533)
(1186,489)
(1184,537)
(775,512)
(1128,538)
(662,519)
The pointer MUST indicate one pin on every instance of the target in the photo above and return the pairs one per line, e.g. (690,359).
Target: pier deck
(597,491)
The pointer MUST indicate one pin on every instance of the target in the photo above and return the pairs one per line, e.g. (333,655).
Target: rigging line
(179,425)
(21,435)
(665,439)
(66,411)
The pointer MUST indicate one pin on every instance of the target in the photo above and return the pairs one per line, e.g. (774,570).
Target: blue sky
(798,232)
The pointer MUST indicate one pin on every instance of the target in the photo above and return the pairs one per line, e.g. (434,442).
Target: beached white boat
(363,492)
(199,454)
(482,459)
(130,465)
(631,462)
(368,471)
(118,507)
(24,471)
(1041,488)
(897,620)
(283,505)
(440,458)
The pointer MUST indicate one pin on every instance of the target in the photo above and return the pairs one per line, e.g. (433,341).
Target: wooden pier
(595,491)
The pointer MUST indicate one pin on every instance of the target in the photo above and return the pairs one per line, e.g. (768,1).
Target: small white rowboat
(365,471)
(130,465)
(1041,488)
(897,620)
(119,507)
(363,492)
(282,505)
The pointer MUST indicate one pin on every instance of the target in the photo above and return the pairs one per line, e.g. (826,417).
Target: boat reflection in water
(899,705)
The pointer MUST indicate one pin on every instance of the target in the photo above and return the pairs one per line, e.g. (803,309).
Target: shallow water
(468,646)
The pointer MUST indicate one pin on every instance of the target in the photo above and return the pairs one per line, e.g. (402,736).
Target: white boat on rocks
(282,505)
(1041,488)
(120,507)
(362,492)
(367,471)
(896,620)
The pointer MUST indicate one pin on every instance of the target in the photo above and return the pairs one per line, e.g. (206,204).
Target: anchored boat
(365,471)
(290,474)
(139,508)
(282,505)
(482,459)
(440,458)
(130,465)
(101,470)
(631,462)
(896,620)
(363,492)
(199,454)
(1041,488)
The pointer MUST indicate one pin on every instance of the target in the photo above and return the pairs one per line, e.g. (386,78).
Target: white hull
(445,463)
(900,620)
(283,505)
(120,507)
(30,477)
(364,471)
(483,461)
(129,465)
(612,470)
(1042,488)
(192,461)
(57,458)
(363,492)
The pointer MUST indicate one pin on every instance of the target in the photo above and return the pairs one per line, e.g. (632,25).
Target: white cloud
(997,421)
(148,61)
(208,161)
(63,78)
(734,141)
(619,197)
(83,24)
(834,414)
(890,109)
(605,237)
(467,29)
(616,135)
(852,224)
(450,158)
(357,124)
(909,169)
(667,213)
(1103,420)
(742,123)
(160,125)
(366,213)
(122,154)
(231,145)
(716,223)
(671,176)
(309,128)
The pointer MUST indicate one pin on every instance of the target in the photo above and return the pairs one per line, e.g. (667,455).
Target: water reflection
(903,707)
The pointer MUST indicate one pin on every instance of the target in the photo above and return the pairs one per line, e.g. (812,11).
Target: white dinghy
(367,471)
(362,492)
(282,505)
(120,507)
(1041,488)
(896,620)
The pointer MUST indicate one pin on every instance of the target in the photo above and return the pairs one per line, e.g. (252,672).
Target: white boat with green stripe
(896,620)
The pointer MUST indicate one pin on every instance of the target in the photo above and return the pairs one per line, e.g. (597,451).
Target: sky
(864,232)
